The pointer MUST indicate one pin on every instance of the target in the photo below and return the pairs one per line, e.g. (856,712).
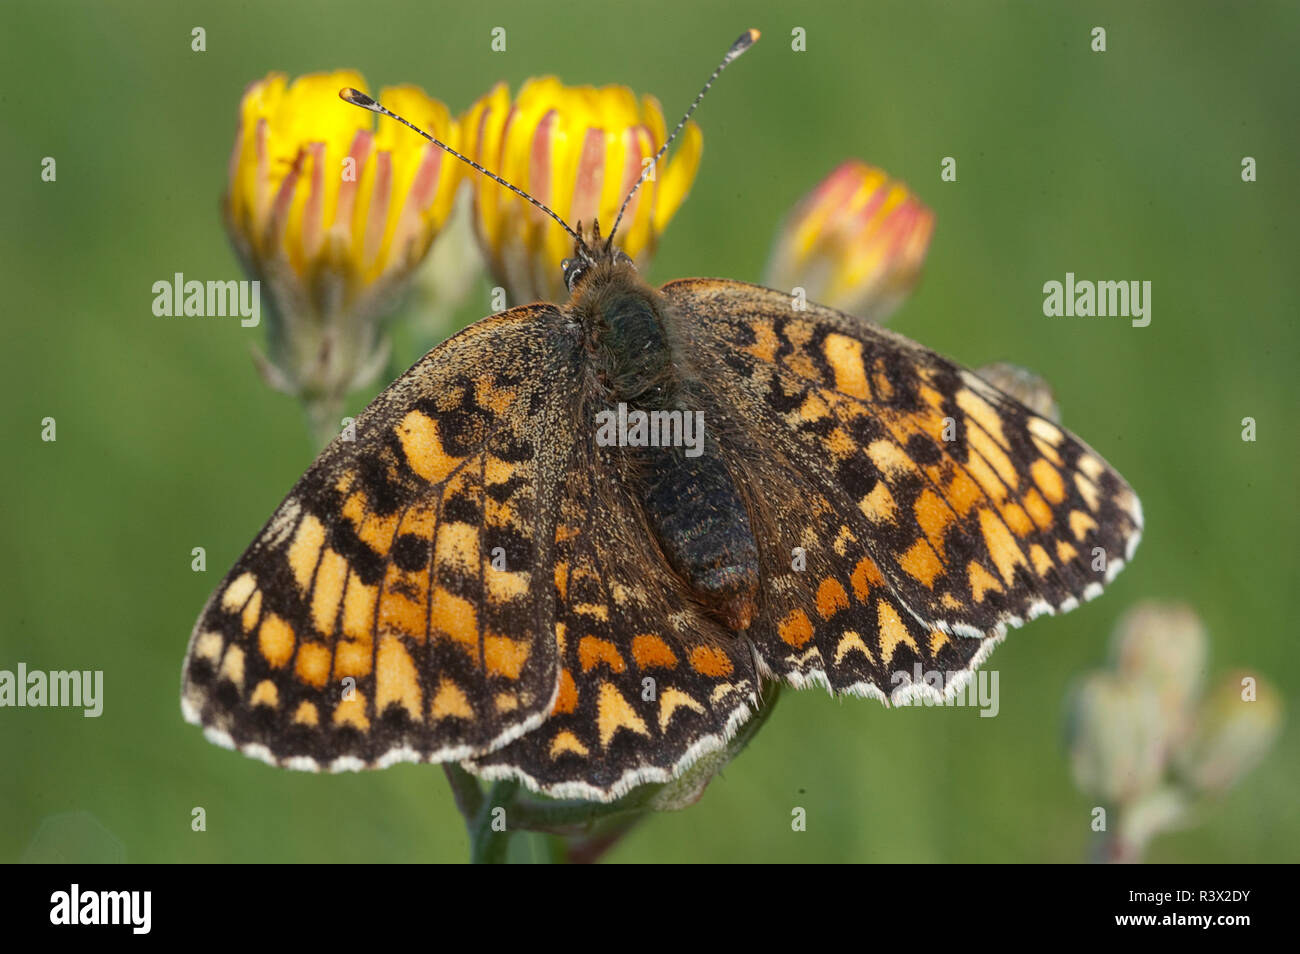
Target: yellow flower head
(855,243)
(578,150)
(332,216)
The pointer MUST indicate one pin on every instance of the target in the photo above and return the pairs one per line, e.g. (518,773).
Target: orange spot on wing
(963,493)
(670,700)
(504,656)
(455,617)
(266,694)
(831,598)
(358,608)
(352,712)
(396,681)
(1002,545)
(375,531)
(765,342)
(327,592)
(891,631)
(592,652)
(710,661)
(1048,480)
(1038,508)
(614,712)
(840,444)
(275,639)
(934,517)
(494,399)
(844,355)
(813,408)
(1017,519)
(921,563)
(1081,523)
(849,642)
(566,742)
(651,652)
(252,611)
(305,549)
(418,434)
(878,505)
(352,658)
(795,629)
(313,664)
(981,581)
(450,702)
(566,700)
(865,575)
(400,615)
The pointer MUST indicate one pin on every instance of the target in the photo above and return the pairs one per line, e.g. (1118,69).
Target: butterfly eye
(572,269)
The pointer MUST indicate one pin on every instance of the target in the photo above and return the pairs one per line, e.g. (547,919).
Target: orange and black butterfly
(479,576)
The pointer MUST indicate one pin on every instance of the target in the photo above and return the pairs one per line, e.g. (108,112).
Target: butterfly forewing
(395,606)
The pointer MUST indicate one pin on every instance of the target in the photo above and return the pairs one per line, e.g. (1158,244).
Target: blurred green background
(1122,165)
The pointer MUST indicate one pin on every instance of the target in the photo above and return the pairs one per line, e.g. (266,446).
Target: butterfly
(485,575)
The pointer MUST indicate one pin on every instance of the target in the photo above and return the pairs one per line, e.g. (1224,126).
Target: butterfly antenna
(746,40)
(358,98)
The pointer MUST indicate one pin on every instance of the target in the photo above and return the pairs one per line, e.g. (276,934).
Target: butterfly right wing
(934,510)
(395,607)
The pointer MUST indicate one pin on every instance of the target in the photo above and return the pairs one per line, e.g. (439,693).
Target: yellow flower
(855,243)
(578,150)
(332,216)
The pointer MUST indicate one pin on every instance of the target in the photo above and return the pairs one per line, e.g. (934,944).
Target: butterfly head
(589,251)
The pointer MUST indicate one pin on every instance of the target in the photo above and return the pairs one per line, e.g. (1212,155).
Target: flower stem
(488,843)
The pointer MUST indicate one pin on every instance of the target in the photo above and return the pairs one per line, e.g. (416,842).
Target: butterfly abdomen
(701,524)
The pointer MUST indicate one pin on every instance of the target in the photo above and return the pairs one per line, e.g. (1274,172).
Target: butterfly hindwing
(957,510)
(648,683)
(393,607)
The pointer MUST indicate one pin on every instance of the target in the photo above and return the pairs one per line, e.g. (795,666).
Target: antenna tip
(743,43)
(357,98)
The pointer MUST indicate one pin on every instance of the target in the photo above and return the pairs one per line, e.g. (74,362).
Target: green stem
(571,817)
(464,789)
(487,843)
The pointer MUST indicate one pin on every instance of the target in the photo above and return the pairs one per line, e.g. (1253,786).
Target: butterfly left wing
(397,604)
(977,513)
